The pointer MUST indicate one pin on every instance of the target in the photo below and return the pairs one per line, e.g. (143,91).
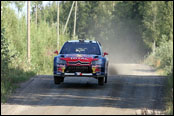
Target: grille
(83,69)
(79,62)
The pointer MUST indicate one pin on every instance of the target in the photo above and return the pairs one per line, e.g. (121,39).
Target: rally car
(81,58)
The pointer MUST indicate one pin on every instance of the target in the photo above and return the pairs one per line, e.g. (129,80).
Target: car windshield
(80,48)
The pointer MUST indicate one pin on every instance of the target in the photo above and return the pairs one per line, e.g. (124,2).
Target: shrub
(164,54)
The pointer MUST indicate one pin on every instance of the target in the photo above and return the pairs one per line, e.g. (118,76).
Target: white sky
(24,10)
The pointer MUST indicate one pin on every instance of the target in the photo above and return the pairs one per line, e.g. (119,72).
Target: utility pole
(58,26)
(68,17)
(154,9)
(28,31)
(36,13)
(75,15)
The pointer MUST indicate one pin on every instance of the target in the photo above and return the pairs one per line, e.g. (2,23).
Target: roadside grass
(169,97)
(146,111)
(10,81)
(155,62)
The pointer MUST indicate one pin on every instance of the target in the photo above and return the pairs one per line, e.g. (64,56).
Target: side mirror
(105,53)
(56,52)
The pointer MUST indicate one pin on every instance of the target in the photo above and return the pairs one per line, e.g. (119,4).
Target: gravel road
(130,88)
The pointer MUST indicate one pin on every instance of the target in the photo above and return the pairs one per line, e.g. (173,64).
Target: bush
(11,70)
(169,106)
(164,54)
(162,59)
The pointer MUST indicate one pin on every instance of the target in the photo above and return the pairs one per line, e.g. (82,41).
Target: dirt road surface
(130,88)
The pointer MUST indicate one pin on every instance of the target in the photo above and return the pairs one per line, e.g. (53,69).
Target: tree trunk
(153,47)
(28,31)
(58,25)
(36,15)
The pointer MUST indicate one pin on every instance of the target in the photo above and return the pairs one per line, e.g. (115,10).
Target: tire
(106,78)
(101,81)
(57,80)
(62,79)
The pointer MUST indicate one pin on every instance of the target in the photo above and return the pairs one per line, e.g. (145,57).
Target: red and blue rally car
(83,58)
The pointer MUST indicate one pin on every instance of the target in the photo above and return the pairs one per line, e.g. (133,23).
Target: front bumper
(79,74)
(82,71)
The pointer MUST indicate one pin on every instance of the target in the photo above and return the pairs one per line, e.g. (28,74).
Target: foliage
(5,57)
(10,76)
(11,70)
(165,54)
(131,28)
(157,21)
(19,5)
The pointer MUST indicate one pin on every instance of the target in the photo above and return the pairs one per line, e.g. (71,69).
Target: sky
(24,10)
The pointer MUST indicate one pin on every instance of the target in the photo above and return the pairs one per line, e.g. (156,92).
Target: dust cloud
(123,42)
(124,45)
(126,51)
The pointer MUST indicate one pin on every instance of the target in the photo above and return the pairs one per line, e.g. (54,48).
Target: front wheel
(62,79)
(106,78)
(58,80)
(101,81)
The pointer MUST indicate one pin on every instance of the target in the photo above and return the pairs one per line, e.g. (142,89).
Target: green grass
(169,104)
(10,81)
(166,70)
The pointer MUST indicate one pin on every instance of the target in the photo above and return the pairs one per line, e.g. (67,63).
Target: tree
(157,22)
(58,37)
(5,57)
(35,5)
(150,22)
(19,5)
(166,19)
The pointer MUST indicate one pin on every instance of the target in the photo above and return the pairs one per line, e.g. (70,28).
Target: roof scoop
(62,56)
(95,56)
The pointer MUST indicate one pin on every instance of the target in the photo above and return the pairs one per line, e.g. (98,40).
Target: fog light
(61,68)
(96,68)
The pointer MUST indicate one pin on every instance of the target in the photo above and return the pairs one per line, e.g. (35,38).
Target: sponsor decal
(61,68)
(96,69)
(78,73)
(79,58)
(93,69)
(78,55)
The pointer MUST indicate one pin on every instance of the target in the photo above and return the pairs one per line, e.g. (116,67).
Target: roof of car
(87,41)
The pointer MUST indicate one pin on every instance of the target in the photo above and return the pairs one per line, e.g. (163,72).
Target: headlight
(59,61)
(97,62)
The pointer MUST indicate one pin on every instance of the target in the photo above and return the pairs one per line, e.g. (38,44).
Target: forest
(130,31)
